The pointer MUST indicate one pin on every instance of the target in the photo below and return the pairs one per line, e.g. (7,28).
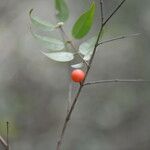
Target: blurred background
(34,89)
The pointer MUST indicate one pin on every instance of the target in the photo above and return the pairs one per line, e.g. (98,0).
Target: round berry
(77,75)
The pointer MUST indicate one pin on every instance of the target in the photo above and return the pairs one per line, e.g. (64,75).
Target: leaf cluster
(57,49)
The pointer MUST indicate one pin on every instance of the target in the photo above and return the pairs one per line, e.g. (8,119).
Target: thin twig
(117,81)
(71,43)
(119,38)
(3,142)
(78,93)
(65,36)
(7,126)
(84,61)
(102,12)
(114,12)
(68,116)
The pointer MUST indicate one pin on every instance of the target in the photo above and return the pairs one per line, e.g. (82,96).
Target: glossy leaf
(60,56)
(88,46)
(63,11)
(43,25)
(79,65)
(84,23)
(49,43)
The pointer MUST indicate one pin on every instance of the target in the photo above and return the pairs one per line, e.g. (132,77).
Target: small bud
(59,24)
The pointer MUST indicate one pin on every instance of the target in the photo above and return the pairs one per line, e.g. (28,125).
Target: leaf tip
(84,23)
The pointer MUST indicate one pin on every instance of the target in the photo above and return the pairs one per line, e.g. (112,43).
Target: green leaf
(79,65)
(49,43)
(63,11)
(88,46)
(84,23)
(60,56)
(43,25)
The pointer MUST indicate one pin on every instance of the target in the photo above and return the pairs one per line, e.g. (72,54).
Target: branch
(86,74)
(66,38)
(68,118)
(117,81)
(119,38)
(102,12)
(7,125)
(114,12)
(70,108)
(84,61)
(78,92)
(3,142)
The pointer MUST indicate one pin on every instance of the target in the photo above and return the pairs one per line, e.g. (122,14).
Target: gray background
(34,89)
